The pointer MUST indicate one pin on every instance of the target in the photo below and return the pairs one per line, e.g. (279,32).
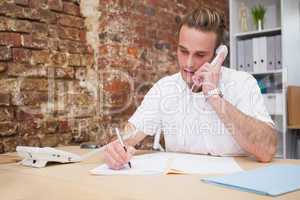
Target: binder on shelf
(262,54)
(248,55)
(255,48)
(277,42)
(271,53)
(241,55)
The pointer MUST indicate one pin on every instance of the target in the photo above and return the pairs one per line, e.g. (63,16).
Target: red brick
(28,138)
(38,3)
(23,26)
(53,44)
(81,48)
(22,2)
(15,11)
(6,114)
(21,55)
(29,127)
(49,140)
(50,126)
(69,33)
(4,99)
(10,143)
(58,59)
(132,52)
(56,5)
(31,98)
(80,99)
(34,85)
(5,53)
(103,50)
(26,114)
(40,30)
(116,86)
(8,85)
(40,57)
(10,39)
(82,36)
(66,73)
(65,138)
(71,8)
(153,2)
(81,110)
(30,41)
(74,60)
(47,16)
(26,70)
(87,60)
(64,126)
(10,9)
(15,25)
(71,21)
(73,47)
(53,31)
(118,100)
(8,128)
(3,67)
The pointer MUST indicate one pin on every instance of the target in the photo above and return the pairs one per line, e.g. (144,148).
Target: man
(224,116)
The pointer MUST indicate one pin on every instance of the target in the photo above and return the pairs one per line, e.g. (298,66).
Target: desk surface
(73,181)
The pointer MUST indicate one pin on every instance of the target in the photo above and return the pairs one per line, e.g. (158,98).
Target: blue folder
(272,180)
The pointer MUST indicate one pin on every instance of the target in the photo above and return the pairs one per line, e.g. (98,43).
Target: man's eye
(184,51)
(200,55)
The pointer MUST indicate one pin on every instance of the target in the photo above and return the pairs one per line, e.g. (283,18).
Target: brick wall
(65,79)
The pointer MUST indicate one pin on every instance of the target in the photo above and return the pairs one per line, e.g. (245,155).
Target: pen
(121,141)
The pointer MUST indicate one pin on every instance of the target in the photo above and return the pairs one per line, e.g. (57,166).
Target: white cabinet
(271,55)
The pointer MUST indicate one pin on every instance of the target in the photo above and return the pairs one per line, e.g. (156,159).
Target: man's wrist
(213,99)
(213,94)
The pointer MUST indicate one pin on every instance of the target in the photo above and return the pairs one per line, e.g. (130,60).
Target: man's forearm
(137,136)
(254,136)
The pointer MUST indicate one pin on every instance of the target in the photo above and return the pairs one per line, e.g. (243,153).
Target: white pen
(122,143)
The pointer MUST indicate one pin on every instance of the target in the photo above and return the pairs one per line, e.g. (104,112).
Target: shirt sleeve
(251,101)
(147,117)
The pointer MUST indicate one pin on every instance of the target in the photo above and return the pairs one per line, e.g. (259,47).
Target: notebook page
(147,164)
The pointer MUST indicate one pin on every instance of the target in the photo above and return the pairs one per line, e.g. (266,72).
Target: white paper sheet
(147,164)
(162,163)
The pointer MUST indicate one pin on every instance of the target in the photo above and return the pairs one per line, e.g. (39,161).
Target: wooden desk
(294,127)
(73,181)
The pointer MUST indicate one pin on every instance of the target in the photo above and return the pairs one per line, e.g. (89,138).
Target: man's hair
(206,19)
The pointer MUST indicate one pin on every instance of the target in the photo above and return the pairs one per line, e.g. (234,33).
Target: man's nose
(190,61)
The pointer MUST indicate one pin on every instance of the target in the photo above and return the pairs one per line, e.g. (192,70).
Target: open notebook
(173,163)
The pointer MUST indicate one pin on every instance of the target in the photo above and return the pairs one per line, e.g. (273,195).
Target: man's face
(194,49)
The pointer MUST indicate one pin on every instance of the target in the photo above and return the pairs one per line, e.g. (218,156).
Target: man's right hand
(116,157)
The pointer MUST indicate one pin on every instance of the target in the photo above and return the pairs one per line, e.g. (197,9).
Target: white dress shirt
(188,122)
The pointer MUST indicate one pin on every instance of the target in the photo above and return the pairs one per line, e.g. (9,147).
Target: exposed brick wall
(58,87)
(42,48)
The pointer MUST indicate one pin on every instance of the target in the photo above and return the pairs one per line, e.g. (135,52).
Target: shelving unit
(266,72)
(266,32)
(282,18)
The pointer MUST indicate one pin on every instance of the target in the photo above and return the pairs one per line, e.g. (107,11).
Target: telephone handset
(221,50)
